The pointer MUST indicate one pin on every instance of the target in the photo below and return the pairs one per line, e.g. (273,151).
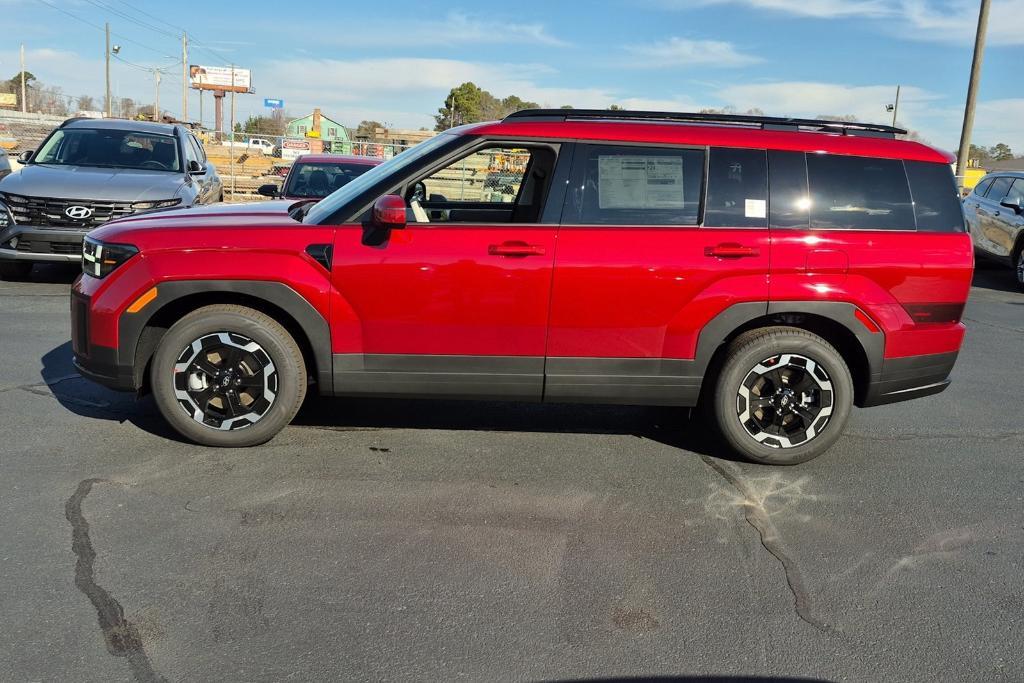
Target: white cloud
(1000,121)
(955,21)
(682,52)
(804,98)
(822,9)
(456,28)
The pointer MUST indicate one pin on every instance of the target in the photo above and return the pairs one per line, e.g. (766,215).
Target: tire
(239,348)
(1019,267)
(805,407)
(15,270)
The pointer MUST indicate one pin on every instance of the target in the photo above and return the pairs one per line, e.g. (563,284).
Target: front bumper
(30,243)
(93,361)
(903,379)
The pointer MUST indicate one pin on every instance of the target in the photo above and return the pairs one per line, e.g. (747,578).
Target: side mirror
(195,168)
(25,156)
(389,212)
(1017,206)
(268,190)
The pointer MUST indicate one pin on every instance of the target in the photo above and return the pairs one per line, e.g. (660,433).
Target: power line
(101,28)
(197,44)
(130,18)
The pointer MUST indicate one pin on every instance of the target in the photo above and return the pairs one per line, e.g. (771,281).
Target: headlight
(158,204)
(6,219)
(100,258)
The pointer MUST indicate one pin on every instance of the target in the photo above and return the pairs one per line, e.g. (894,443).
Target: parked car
(995,217)
(88,172)
(314,176)
(262,144)
(775,271)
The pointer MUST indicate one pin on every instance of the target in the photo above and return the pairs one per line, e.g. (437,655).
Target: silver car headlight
(157,204)
(6,218)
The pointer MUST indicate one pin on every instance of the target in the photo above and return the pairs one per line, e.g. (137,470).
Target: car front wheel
(1020,268)
(783,396)
(229,376)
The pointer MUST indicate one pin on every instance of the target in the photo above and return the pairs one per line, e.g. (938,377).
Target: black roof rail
(746,120)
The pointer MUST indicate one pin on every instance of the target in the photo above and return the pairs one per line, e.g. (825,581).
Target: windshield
(321,179)
(110,149)
(322,211)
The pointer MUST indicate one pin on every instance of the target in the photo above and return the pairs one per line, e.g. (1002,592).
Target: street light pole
(896,106)
(184,76)
(107,55)
(24,100)
(972,90)
(156,105)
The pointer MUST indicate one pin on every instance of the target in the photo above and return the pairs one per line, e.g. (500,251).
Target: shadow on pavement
(674,427)
(698,679)
(998,278)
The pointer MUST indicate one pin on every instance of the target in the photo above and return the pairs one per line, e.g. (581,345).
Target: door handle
(517,249)
(731,250)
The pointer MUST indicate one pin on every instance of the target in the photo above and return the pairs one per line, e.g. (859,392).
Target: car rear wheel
(783,396)
(1020,268)
(15,270)
(229,376)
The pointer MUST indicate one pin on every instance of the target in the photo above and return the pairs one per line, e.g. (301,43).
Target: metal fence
(247,160)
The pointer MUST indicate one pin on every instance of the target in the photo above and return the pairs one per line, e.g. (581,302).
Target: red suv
(776,271)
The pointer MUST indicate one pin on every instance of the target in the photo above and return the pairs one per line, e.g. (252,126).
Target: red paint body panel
(435,289)
(883,271)
(642,292)
(206,245)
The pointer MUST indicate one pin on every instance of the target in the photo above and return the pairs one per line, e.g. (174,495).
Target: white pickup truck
(262,144)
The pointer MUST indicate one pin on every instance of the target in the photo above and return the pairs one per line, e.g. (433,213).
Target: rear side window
(737,189)
(982,187)
(626,185)
(858,193)
(1000,186)
(936,200)
(789,205)
(1015,194)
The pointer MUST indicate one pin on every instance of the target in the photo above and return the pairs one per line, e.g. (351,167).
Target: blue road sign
(273,104)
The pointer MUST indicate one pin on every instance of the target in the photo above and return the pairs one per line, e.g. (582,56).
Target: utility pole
(896,106)
(184,76)
(200,108)
(106,26)
(24,100)
(232,144)
(156,105)
(972,90)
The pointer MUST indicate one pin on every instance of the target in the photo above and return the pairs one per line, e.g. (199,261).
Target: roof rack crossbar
(764,122)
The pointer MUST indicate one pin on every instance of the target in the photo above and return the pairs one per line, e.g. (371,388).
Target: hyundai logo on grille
(78,212)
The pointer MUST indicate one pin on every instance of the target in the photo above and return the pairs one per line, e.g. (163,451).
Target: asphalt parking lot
(407,540)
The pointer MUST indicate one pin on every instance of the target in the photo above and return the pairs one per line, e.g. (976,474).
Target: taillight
(935,313)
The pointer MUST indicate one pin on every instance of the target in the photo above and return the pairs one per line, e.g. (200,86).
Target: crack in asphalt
(772,542)
(121,636)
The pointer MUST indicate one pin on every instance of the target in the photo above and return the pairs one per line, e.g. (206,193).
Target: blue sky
(395,62)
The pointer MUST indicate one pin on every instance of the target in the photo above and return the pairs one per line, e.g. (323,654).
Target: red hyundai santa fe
(775,271)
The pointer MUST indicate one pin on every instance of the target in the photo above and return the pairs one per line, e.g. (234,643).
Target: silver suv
(995,216)
(88,172)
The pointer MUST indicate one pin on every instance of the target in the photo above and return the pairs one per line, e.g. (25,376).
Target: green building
(334,135)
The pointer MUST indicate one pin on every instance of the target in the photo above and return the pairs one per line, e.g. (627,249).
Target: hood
(250,215)
(85,183)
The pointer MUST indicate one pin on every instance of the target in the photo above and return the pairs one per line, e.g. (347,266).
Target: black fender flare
(310,321)
(723,325)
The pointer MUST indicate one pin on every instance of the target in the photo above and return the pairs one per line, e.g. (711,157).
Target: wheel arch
(139,335)
(836,322)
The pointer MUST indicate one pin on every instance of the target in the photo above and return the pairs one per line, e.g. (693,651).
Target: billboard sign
(272,104)
(8,99)
(222,78)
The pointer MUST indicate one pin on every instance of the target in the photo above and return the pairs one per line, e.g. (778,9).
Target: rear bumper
(54,245)
(903,379)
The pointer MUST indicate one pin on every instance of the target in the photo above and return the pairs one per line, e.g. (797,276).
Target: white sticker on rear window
(640,182)
(756,208)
